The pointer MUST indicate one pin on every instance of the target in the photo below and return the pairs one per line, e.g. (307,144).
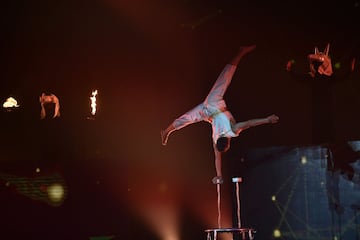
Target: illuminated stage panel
(302,192)
(50,188)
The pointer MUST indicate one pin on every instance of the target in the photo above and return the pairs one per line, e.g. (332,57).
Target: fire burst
(93,102)
(10,103)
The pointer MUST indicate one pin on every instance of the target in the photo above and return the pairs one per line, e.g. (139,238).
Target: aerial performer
(321,79)
(47,100)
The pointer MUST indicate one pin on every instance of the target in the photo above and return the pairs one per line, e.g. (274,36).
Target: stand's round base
(245,233)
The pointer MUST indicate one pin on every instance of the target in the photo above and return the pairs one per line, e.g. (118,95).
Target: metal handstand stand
(246,233)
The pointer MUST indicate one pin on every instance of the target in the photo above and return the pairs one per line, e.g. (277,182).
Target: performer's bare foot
(164,137)
(243,50)
(247,49)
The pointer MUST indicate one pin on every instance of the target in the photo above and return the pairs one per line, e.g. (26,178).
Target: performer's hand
(273,118)
(217,180)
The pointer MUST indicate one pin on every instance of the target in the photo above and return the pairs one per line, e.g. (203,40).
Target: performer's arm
(57,108)
(42,112)
(218,160)
(42,101)
(240,126)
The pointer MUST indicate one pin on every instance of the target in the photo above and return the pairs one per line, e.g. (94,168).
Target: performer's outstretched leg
(223,81)
(192,116)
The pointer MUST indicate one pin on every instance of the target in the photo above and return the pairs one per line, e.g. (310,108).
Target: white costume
(213,109)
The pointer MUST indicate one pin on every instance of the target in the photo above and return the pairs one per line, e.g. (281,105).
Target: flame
(93,102)
(10,103)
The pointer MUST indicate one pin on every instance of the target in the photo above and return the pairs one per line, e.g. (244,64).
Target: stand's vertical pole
(238,180)
(218,181)
(219,204)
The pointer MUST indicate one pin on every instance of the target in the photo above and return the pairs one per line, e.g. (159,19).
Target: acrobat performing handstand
(214,111)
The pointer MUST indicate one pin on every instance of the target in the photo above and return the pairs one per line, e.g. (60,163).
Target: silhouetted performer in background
(321,79)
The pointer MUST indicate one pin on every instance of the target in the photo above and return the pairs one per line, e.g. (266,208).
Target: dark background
(151,61)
